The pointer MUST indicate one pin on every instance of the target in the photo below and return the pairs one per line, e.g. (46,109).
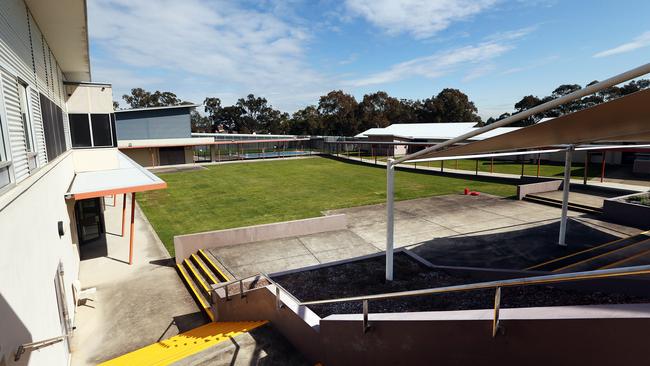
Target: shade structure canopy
(105,172)
(626,119)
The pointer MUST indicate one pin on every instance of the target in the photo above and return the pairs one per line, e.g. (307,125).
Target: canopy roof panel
(625,119)
(117,175)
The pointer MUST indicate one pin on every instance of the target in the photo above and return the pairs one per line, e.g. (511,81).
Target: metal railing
(497,285)
(37,345)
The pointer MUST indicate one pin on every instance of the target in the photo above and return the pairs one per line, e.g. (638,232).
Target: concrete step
(199,272)
(184,345)
(557,203)
(263,345)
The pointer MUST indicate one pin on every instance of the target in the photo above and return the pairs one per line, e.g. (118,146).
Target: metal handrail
(37,345)
(243,292)
(525,281)
(497,285)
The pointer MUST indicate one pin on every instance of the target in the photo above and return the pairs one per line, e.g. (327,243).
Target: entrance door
(90,219)
(172,155)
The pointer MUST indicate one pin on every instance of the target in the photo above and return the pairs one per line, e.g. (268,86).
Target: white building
(51,196)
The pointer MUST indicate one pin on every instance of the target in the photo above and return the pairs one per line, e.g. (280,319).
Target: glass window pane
(101,129)
(79,130)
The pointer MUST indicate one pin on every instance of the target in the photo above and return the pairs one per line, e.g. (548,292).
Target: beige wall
(143,156)
(88,98)
(30,251)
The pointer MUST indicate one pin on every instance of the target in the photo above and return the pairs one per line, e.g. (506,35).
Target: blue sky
(291,52)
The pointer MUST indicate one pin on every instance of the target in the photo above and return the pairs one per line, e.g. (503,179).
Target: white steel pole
(565,195)
(390,197)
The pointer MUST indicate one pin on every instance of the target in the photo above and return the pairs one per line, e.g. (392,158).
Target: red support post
(123,212)
(538,164)
(132,228)
(602,169)
(491,165)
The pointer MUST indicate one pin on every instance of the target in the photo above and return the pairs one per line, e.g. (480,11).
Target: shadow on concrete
(517,249)
(189,321)
(165,262)
(271,348)
(13,333)
(94,249)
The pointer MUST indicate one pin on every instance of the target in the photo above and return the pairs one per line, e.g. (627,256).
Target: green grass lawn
(234,195)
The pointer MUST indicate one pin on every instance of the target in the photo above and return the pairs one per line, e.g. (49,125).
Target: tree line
(605,95)
(340,114)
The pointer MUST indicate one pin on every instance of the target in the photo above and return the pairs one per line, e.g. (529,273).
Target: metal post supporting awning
(624,119)
(104,172)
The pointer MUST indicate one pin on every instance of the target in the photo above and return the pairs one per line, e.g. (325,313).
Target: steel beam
(565,195)
(390,218)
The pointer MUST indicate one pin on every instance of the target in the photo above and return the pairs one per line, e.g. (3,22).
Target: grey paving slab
(483,231)
(277,265)
(251,253)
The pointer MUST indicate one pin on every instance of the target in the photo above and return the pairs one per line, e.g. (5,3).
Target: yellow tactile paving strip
(185,344)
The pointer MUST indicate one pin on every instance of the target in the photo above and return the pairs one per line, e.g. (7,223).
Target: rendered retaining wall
(627,213)
(185,245)
(585,335)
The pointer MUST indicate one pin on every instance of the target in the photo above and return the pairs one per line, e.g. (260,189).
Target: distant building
(157,135)
(423,132)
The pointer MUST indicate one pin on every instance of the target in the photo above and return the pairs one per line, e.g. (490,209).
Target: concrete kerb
(185,245)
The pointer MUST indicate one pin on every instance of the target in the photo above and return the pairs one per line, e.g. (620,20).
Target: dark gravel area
(366,277)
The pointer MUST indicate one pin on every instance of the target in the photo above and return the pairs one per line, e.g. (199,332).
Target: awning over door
(105,172)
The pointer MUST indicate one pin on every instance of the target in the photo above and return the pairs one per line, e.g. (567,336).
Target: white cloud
(226,47)
(445,62)
(639,42)
(479,71)
(420,18)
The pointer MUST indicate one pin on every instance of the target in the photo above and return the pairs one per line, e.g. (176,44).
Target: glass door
(90,219)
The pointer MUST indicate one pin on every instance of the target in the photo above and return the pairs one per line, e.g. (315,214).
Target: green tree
(306,121)
(141,98)
(338,113)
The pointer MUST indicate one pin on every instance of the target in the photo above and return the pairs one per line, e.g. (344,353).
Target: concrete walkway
(481,231)
(134,305)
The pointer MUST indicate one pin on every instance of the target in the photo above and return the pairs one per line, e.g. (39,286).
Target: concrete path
(133,305)
(482,231)
(278,255)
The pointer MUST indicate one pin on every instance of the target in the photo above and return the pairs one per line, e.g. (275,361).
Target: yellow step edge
(638,255)
(195,293)
(586,250)
(197,277)
(203,269)
(601,255)
(212,265)
(183,345)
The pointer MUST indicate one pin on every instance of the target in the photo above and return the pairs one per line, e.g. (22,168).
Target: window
(27,124)
(102,135)
(5,163)
(92,130)
(80,130)
(53,126)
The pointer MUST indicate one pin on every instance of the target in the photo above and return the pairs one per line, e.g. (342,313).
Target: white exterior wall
(29,255)
(25,55)
(32,205)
